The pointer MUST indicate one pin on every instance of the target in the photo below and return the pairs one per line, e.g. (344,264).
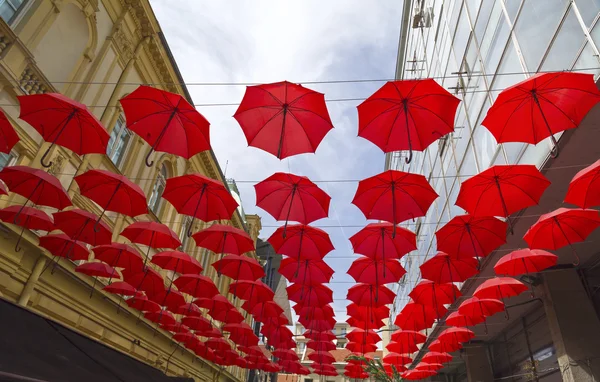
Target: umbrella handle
(17,247)
(554,151)
(160,136)
(148,163)
(410,153)
(49,164)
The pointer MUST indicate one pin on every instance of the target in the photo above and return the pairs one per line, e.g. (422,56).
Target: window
(10,8)
(566,45)
(117,145)
(343,331)
(301,347)
(7,159)
(159,187)
(183,237)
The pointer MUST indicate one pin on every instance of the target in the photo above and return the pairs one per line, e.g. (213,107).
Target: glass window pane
(589,10)
(567,43)
(510,64)
(5,160)
(463,31)
(512,7)
(595,32)
(494,40)
(587,60)
(453,20)
(485,146)
(473,6)
(484,16)
(537,24)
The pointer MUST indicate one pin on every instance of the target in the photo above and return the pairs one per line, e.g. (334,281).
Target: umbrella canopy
(383,241)
(301,242)
(407,115)
(60,245)
(408,336)
(428,366)
(292,197)
(433,294)
(95,269)
(143,304)
(477,307)
(363,336)
(215,303)
(285,354)
(263,310)
(394,196)
(147,280)
(523,261)
(584,189)
(188,309)
(196,285)
(416,316)
(227,316)
(283,118)
(456,334)
(166,121)
(446,347)
(376,272)
(112,192)
(221,238)
(151,234)
(541,106)
(64,122)
(310,295)
(319,336)
(8,135)
(177,261)
(360,347)
(239,268)
(436,357)
(370,295)
(218,344)
(196,323)
(28,218)
(307,272)
(364,323)
(122,288)
(254,291)
(396,359)
(562,227)
(471,236)
(402,347)
(200,197)
(37,186)
(81,225)
(457,319)
(367,313)
(119,256)
(500,288)
(444,268)
(502,190)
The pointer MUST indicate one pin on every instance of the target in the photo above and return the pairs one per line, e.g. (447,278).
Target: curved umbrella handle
(148,163)
(555,150)
(43,158)
(410,155)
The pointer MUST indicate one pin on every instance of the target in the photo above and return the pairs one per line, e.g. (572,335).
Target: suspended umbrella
(364,323)
(396,359)
(480,307)
(368,313)
(562,227)
(424,366)
(542,106)
(456,334)
(502,190)
(394,196)
(122,288)
(148,280)
(407,115)
(239,268)
(143,304)
(196,285)
(292,197)
(196,323)
(215,303)
(252,350)
(457,319)
(152,235)
(35,185)
(310,295)
(584,189)
(376,272)
(283,119)
(321,345)
(435,295)
(80,225)
(166,121)
(263,310)
(383,241)
(446,347)
(524,261)
(177,262)
(162,317)
(471,236)
(119,255)
(60,245)
(500,288)
(112,192)
(27,218)
(364,295)
(436,357)
(319,336)
(364,336)
(253,291)
(355,371)
(188,309)
(227,316)
(416,317)
(200,197)
(361,348)
(408,336)
(301,242)
(212,332)
(3,189)
(171,299)
(223,239)
(285,354)
(391,369)
(95,269)
(8,135)
(403,347)
(63,122)
(308,272)
(445,268)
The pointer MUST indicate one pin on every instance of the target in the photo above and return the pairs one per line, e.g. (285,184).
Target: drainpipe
(32,280)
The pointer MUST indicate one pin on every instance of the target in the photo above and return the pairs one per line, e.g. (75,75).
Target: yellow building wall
(96,52)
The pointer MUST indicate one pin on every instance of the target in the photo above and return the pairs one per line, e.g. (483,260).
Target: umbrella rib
(523,102)
(559,109)
(390,109)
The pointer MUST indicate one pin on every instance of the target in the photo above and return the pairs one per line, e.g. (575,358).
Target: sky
(262,41)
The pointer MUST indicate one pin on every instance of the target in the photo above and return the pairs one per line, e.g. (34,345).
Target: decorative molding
(32,81)
(57,165)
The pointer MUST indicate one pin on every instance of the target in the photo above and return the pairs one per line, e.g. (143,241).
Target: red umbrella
(477,307)
(396,359)
(408,336)
(3,189)
(307,272)
(364,336)
(81,225)
(227,316)
(301,242)
(407,115)
(239,268)
(523,261)
(35,185)
(27,218)
(321,345)
(151,234)
(119,256)
(424,366)
(562,227)
(166,121)
(402,347)
(500,288)
(285,354)
(436,357)
(457,319)
(162,317)
(292,197)
(63,122)
(254,291)
(394,196)
(456,334)
(355,371)
(8,135)
(389,369)
(95,269)
(112,192)
(283,118)
(364,295)
(310,295)
(542,106)
(376,272)
(365,324)
(177,261)
(444,268)
(442,346)
(416,317)
(471,236)
(367,313)
(430,293)
(196,285)
(263,310)
(188,309)
(319,336)
(220,238)
(312,313)
(147,280)
(383,241)
(216,303)
(361,348)
(143,304)
(196,323)
(200,197)
(122,288)
(60,245)
(502,190)
(169,298)
(584,189)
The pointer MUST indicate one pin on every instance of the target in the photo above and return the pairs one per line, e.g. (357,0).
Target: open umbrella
(376,272)
(407,115)
(502,190)
(364,336)
(292,197)
(541,106)
(361,348)
(196,285)
(143,304)
(122,288)
(310,295)
(456,334)
(253,291)
(8,135)
(403,347)
(239,268)
(443,346)
(396,359)
(364,323)
(383,241)
(301,242)
(584,189)
(424,366)
(81,225)
(433,294)
(480,307)
(367,313)
(562,227)
(500,288)
(364,295)
(444,268)
(63,122)
(112,192)
(119,255)
(416,317)
(457,319)
(307,272)
(95,269)
(166,121)
(60,245)
(200,197)
(196,323)
(220,238)
(408,336)
(471,236)
(523,261)
(394,196)
(283,118)
(436,357)
(27,218)
(147,280)
(152,235)
(177,262)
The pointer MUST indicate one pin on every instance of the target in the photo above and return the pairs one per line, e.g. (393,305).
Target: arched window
(118,143)
(155,201)
(183,237)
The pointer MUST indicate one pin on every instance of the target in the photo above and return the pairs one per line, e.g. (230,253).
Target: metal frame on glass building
(475,49)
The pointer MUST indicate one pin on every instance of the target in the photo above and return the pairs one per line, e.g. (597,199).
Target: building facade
(96,52)
(475,49)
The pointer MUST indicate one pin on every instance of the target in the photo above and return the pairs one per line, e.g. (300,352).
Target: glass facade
(475,49)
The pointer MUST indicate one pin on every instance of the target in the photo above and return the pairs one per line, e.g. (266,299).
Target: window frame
(121,128)
(161,180)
